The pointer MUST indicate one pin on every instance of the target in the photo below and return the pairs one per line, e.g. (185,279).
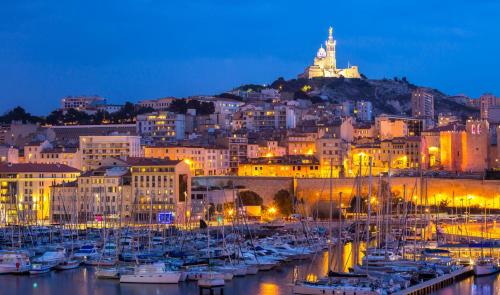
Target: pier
(435,284)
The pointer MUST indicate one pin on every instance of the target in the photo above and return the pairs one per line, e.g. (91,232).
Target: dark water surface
(277,281)
(487,285)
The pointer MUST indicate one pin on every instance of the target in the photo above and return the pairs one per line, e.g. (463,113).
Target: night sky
(132,50)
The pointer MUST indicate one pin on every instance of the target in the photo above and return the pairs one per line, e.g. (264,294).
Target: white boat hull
(208,283)
(166,278)
(483,270)
(13,269)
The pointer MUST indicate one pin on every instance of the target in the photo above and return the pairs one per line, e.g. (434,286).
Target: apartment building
(25,194)
(94,149)
(202,160)
(161,190)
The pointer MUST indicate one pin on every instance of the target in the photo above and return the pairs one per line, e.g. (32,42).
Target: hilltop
(390,96)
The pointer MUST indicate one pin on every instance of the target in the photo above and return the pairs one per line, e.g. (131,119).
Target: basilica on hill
(325,63)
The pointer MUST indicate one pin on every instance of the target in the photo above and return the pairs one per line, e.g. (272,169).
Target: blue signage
(166,217)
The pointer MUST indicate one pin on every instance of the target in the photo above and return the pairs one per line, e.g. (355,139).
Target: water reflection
(488,285)
(277,281)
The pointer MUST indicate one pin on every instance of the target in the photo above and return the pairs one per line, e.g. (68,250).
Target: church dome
(321,52)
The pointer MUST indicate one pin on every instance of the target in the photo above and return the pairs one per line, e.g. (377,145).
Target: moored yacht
(14,262)
(152,274)
(486,266)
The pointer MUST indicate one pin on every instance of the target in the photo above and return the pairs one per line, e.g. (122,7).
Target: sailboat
(210,278)
(485,265)
(155,273)
(334,282)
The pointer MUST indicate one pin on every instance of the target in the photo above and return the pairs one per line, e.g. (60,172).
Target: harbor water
(82,281)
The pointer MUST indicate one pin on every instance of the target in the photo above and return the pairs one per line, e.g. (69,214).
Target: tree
(443,205)
(249,198)
(362,202)
(74,116)
(284,202)
(55,118)
(19,114)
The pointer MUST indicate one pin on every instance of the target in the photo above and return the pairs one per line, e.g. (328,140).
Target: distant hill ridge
(390,96)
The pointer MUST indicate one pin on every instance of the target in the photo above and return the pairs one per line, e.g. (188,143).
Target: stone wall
(466,191)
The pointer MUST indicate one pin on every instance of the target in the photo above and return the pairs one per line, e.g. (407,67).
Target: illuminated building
(94,149)
(389,126)
(225,109)
(364,130)
(201,198)
(80,103)
(9,154)
(342,128)
(332,154)
(25,194)
(62,155)
(160,190)
(422,105)
(64,204)
(202,160)
(325,62)
(237,144)
(161,104)
(359,158)
(363,110)
(288,166)
(431,146)
(402,153)
(399,153)
(298,144)
(265,116)
(104,195)
(161,126)
(265,148)
(33,150)
(460,149)
(486,102)
(447,119)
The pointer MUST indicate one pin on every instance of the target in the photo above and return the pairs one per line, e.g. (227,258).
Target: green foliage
(284,202)
(19,114)
(126,114)
(230,96)
(249,198)
(181,106)
(363,205)
(250,87)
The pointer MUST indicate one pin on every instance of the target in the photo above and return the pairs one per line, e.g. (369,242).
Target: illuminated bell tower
(331,62)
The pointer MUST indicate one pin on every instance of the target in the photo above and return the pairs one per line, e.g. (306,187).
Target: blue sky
(132,50)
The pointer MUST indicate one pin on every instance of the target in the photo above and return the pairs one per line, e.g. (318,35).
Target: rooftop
(140,161)
(40,168)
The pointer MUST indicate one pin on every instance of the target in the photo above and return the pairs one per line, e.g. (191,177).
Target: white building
(161,126)
(161,104)
(81,102)
(94,149)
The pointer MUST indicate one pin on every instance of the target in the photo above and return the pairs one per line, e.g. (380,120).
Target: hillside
(387,96)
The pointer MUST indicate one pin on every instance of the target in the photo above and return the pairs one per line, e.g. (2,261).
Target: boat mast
(330,230)
(369,211)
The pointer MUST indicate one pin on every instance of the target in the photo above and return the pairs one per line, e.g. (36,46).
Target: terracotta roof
(42,168)
(139,161)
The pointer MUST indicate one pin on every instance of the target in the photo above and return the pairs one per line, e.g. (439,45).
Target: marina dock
(435,284)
